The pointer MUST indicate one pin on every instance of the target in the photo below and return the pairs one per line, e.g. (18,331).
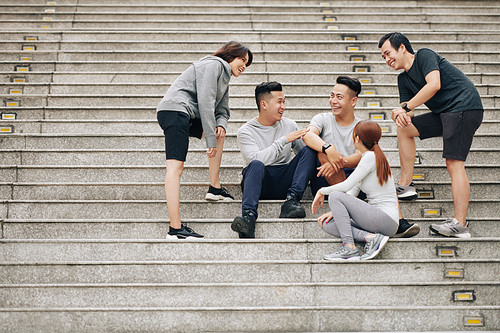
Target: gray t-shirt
(268,144)
(457,92)
(331,132)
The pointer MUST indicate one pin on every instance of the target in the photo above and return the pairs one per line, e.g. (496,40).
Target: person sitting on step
(352,219)
(197,104)
(457,112)
(271,172)
(330,135)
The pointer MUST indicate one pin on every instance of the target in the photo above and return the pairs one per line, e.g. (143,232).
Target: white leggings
(354,219)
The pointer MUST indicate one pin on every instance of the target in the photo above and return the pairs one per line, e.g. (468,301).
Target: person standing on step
(352,219)
(457,112)
(197,105)
(330,135)
(271,172)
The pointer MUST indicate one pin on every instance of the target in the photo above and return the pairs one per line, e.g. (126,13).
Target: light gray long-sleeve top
(268,144)
(202,91)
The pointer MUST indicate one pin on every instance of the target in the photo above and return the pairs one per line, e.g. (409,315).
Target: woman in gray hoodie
(197,104)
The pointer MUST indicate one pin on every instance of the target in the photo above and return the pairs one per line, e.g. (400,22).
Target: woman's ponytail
(369,132)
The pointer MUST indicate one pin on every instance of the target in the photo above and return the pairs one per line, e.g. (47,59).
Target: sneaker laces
(188,229)
(450,223)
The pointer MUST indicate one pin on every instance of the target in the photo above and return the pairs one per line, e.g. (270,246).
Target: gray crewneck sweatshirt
(268,144)
(202,91)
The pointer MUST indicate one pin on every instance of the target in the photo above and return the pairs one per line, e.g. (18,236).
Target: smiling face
(342,100)
(238,65)
(272,108)
(393,58)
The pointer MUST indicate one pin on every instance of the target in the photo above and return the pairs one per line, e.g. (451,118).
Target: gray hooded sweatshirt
(202,92)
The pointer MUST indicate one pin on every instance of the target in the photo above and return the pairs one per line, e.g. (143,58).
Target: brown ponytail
(369,132)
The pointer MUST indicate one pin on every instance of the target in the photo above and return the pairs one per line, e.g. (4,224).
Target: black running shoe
(406,229)
(244,225)
(216,194)
(291,208)
(183,233)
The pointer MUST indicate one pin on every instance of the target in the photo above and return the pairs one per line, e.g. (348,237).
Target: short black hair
(266,88)
(396,39)
(351,83)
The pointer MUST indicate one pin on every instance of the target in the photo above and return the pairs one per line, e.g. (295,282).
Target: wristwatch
(405,106)
(325,147)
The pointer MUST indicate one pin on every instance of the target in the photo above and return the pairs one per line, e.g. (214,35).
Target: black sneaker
(291,209)
(244,225)
(406,229)
(183,233)
(216,194)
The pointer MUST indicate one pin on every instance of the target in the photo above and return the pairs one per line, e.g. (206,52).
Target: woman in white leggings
(352,219)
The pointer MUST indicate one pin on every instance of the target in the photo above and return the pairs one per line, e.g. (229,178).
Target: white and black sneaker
(183,233)
(216,194)
(451,228)
(406,192)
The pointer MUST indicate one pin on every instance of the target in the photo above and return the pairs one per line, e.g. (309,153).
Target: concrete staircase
(82,204)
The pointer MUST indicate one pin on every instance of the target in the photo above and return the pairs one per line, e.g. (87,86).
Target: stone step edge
(127,201)
(220,220)
(280,309)
(77,31)
(195,166)
(251,284)
(240,241)
(247,262)
(179,72)
(153,150)
(205,183)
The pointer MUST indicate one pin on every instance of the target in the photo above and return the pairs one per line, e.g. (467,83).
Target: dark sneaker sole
(298,214)
(410,232)
(241,228)
(182,237)
(409,197)
(216,197)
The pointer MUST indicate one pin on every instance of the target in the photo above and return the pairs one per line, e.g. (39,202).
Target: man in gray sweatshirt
(271,172)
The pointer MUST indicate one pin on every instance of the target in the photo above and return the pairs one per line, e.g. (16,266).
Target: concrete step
(190,191)
(262,16)
(320,77)
(257,20)
(372,89)
(156,141)
(246,319)
(150,126)
(63,251)
(234,271)
(266,228)
(157,209)
(196,173)
(76,50)
(375,7)
(149,156)
(235,101)
(362,35)
(242,294)
(149,112)
(258,65)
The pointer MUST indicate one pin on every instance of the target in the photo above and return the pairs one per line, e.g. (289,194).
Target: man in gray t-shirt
(330,135)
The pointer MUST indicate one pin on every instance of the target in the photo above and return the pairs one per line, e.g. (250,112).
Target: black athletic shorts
(177,128)
(456,128)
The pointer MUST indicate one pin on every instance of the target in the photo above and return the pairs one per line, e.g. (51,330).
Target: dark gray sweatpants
(354,219)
